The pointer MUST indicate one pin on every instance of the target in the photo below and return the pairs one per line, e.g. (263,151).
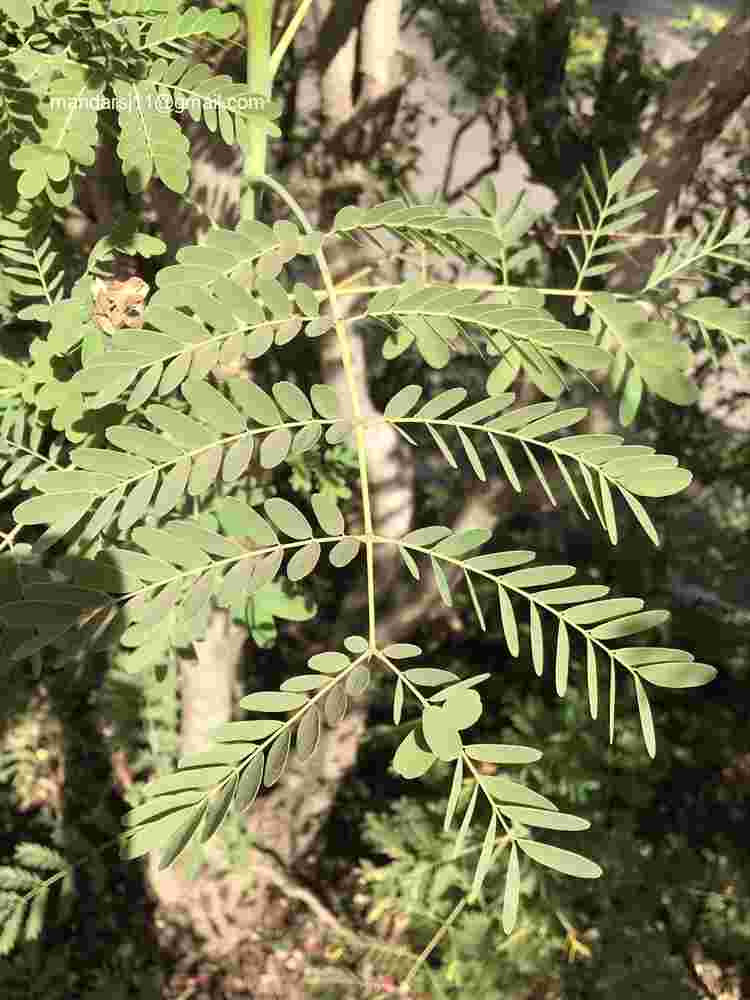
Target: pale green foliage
(129,453)
(22,918)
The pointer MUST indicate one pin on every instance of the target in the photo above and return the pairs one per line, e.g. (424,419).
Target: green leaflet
(398,702)
(287,518)
(463,708)
(275,448)
(597,611)
(303,562)
(403,402)
(630,625)
(249,783)
(440,405)
(505,790)
(326,510)
(512,891)
(500,560)
(291,399)
(137,502)
(498,753)
(256,729)
(401,651)
(277,757)
(440,736)
(344,552)
(428,676)
(465,823)
(562,659)
(325,401)
(328,663)
(356,644)
(455,792)
(155,835)
(110,463)
(592,679)
(143,444)
(448,692)
(508,617)
(308,733)
(644,713)
(184,431)
(462,542)
(335,705)
(239,519)
(426,536)
(52,508)
(677,673)
(410,761)
(544,818)
(358,681)
(273,701)
(253,401)
(142,566)
(209,405)
(537,577)
(165,546)
(560,860)
(217,808)
(485,856)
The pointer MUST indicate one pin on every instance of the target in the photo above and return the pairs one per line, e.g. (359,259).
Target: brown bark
(693,114)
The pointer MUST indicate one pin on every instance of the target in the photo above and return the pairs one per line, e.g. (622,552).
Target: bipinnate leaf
(566,862)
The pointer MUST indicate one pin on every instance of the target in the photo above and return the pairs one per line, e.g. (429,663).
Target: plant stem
(347,362)
(435,940)
(286,39)
(259,78)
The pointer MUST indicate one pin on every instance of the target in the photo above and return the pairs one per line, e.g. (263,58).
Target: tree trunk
(207,684)
(693,114)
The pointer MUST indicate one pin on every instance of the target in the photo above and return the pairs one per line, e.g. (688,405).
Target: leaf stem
(347,362)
